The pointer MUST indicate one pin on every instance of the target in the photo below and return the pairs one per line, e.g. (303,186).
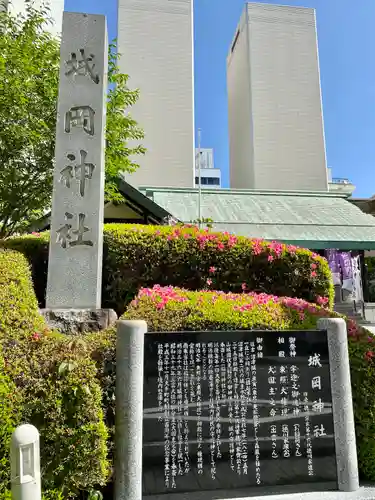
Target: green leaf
(86,390)
(66,366)
(95,495)
(62,368)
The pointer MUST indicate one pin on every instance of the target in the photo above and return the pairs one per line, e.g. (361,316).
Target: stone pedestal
(77,321)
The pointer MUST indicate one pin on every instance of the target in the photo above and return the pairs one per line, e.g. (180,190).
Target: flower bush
(50,381)
(141,256)
(138,256)
(175,309)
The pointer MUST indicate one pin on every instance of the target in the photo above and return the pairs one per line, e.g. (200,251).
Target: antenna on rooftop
(199,181)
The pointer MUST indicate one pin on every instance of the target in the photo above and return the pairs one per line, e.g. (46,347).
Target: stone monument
(73,301)
(235,414)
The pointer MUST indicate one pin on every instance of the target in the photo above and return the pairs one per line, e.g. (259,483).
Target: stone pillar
(342,404)
(74,284)
(129,409)
(76,242)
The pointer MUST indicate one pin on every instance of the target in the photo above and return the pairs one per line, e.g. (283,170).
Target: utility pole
(200,181)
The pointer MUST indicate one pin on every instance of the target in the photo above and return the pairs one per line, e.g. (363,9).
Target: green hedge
(171,309)
(18,305)
(55,388)
(9,415)
(138,256)
(35,248)
(370,263)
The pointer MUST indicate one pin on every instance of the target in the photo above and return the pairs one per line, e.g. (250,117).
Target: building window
(213,181)
(208,181)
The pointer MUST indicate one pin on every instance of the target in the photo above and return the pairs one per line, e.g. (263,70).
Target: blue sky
(346,38)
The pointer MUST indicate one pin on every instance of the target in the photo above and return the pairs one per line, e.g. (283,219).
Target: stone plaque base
(77,321)
(365,492)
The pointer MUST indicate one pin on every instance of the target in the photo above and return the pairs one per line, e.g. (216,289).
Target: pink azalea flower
(369,355)
(322,301)
(313,274)
(257,247)
(212,269)
(270,258)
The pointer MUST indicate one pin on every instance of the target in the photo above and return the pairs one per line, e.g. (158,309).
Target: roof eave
(150,190)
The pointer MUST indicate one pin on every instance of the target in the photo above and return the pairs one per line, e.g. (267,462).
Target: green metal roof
(311,219)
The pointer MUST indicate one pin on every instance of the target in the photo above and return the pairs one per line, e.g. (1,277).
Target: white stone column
(129,409)
(342,403)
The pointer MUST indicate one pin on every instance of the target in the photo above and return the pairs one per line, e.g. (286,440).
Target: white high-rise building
(17,7)
(210,176)
(206,157)
(155,40)
(274,101)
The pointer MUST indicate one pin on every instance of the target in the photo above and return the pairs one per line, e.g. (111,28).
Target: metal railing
(339,180)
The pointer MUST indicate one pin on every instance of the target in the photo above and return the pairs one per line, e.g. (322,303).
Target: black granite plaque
(237,409)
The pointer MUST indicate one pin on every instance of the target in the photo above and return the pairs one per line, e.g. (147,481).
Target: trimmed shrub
(55,380)
(370,263)
(18,305)
(35,248)
(138,256)
(362,370)
(62,398)
(9,414)
(172,309)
